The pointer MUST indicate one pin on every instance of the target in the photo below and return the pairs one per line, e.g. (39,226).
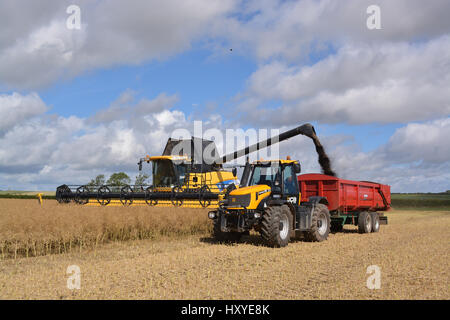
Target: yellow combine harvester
(179,179)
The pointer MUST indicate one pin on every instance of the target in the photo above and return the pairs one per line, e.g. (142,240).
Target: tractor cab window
(289,181)
(268,174)
(164,173)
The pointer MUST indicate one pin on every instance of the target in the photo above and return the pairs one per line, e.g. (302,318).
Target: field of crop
(27,229)
(185,263)
(427,201)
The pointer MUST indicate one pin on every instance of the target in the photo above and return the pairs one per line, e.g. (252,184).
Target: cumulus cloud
(292,30)
(48,150)
(45,151)
(112,33)
(394,82)
(415,158)
(16,108)
(36,48)
(427,142)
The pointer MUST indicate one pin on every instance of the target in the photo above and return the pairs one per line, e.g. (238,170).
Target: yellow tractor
(269,201)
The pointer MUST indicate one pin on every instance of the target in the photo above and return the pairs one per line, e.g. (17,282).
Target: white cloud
(393,82)
(112,33)
(45,151)
(15,108)
(291,30)
(36,48)
(427,142)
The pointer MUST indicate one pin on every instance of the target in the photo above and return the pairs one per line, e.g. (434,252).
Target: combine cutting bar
(126,195)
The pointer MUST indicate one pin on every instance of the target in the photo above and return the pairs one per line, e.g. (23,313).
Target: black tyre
(375,221)
(320,224)
(224,237)
(364,222)
(276,226)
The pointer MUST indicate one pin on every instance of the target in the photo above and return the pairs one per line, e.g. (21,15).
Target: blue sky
(81,102)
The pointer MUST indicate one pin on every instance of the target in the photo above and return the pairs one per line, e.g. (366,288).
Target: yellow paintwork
(166,203)
(263,191)
(277,160)
(173,158)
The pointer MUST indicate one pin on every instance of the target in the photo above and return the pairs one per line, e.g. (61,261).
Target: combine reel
(103,196)
(127,195)
(82,195)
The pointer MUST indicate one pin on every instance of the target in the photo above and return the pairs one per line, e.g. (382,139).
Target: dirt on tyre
(276,226)
(320,224)
(375,221)
(224,237)
(364,222)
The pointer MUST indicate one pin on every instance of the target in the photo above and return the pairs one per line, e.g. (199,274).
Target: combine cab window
(181,171)
(268,175)
(164,173)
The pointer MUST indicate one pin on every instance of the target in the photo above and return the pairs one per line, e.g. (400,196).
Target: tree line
(118,179)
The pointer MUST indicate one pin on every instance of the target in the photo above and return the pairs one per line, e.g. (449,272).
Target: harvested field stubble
(26,229)
(412,253)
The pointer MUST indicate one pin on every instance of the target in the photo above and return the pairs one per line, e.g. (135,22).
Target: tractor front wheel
(276,226)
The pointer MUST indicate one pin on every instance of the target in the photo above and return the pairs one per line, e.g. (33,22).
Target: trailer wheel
(320,224)
(375,221)
(276,226)
(364,222)
(224,237)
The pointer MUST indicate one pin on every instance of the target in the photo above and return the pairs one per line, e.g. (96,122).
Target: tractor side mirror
(234,171)
(140,165)
(297,168)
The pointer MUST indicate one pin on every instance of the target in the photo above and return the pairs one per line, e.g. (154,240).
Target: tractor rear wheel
(320,224)
(375,221)
(276,226)
(364,222)
(226,237)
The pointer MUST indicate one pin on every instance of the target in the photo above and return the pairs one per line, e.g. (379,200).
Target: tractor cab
(279,175)
(273,180)
(268,201)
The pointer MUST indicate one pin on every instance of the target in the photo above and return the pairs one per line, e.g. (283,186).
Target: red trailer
(350,202)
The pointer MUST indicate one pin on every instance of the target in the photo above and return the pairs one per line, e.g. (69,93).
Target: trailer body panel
(345,195)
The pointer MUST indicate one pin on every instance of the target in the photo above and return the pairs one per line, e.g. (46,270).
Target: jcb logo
(292,200)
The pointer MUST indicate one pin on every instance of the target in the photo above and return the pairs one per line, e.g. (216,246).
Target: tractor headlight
(257,215)
(212,214)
